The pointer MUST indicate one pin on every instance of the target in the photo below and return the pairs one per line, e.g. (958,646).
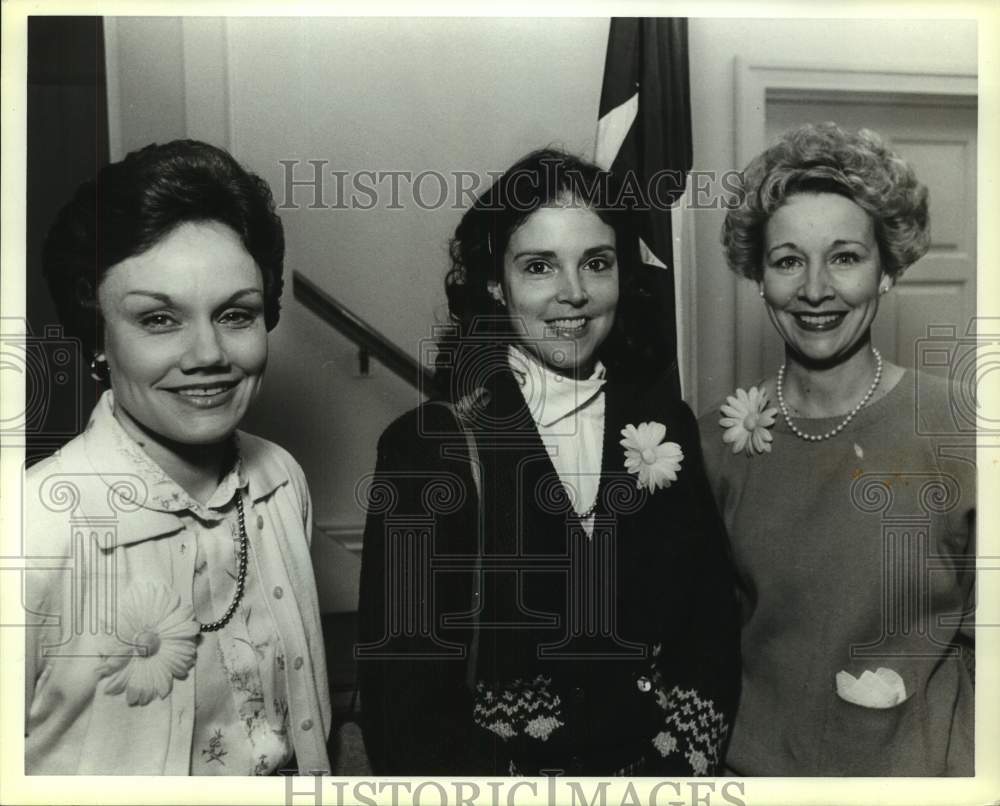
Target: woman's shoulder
(721,461)
(739,397)
(923,406)
(428,422)
(657,394)
(271,464)
(70,458)
(255,449)
(762,385)
(53,490)
(942,405)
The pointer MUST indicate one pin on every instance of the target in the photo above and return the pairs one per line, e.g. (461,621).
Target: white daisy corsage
(160,636)
(747,418)
(655,462)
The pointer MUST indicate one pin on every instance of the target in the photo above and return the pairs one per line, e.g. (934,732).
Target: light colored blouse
(569,415)
(241,707)
(129,554)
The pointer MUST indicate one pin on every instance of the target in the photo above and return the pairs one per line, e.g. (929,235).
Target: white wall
(714,44)
(145,70)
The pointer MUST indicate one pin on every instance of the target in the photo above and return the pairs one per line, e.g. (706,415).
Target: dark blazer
(501,634)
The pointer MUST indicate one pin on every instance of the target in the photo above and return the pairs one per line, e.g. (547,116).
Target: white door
(937,135)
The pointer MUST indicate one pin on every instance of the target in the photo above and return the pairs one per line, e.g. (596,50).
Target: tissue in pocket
(882,689)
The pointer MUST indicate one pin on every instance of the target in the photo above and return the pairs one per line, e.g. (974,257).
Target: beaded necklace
(834,431)
(241,574)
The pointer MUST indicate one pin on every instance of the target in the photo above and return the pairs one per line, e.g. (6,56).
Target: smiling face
(184,335)
(560,279)
(821,275)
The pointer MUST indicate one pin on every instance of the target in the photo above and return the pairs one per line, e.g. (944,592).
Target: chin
(821,355)
(575,368)
(207,433)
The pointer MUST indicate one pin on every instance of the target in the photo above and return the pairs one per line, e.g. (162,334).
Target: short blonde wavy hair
(824,158)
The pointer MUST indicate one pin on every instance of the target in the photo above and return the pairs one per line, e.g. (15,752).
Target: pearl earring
(760,291)
(99,369)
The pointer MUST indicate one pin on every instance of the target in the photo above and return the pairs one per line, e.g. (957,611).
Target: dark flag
(644,137)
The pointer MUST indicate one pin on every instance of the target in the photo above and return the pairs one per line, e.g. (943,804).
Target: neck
(829,389)
(196,468)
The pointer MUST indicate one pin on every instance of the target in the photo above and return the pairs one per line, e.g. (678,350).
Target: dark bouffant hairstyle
(825,158)
(133,204)
(480,328)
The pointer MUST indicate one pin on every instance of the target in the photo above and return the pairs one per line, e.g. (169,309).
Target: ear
(885,284)
(496,291)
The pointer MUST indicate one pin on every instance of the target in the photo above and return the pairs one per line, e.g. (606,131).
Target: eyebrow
(166,298)
(548,253)
(838,242)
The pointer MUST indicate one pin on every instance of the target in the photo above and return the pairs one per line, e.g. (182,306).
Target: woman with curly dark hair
(178,632)
(545,583)
(851,524)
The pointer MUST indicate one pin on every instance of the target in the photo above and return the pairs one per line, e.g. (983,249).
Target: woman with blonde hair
(851,525)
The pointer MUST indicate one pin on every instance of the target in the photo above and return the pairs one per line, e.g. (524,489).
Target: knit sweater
(854,553)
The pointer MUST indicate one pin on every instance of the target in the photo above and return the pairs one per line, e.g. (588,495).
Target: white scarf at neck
(551,397)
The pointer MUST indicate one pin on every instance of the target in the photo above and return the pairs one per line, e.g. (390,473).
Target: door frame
(756,81)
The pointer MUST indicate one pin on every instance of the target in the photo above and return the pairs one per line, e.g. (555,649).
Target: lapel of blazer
(525,503)
(619,499)
(617,396)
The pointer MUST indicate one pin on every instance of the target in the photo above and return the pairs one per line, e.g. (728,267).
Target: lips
(568,326)
(819,322)
(205,395)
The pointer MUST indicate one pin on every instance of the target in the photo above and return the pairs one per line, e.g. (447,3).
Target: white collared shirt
(569,416)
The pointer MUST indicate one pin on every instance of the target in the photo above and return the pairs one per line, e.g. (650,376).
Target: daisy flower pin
(162,635)
(654,461)
(747,418)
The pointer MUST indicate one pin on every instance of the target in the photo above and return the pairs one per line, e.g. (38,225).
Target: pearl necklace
(241,574)
(833,432)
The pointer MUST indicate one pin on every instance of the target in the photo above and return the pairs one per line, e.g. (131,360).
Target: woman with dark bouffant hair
(851,523)
(545,584)
(181,634)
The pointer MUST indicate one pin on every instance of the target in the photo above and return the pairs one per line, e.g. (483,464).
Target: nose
(572,291)
(815,286)
(204,349)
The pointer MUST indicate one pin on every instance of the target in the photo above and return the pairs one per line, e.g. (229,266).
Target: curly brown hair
(825,158)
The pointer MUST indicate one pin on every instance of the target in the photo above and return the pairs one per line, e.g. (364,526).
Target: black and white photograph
(493,405)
